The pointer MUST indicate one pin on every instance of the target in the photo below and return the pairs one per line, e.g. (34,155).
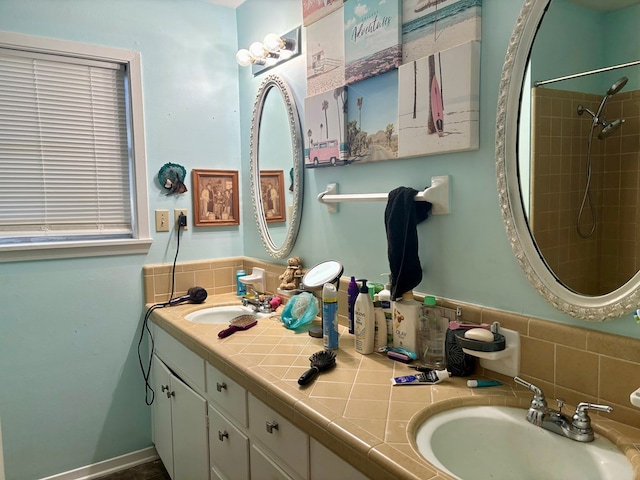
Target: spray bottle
(329,316)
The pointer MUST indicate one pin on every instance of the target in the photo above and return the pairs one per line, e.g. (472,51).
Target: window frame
(141,240)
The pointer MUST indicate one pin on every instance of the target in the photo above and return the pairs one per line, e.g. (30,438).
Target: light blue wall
(465,255)
(72,393)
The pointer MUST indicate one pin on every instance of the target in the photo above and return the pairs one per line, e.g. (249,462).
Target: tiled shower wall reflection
(560,139)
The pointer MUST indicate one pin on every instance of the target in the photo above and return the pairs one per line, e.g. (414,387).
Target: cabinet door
(190,442)
(228,448)
(161,413)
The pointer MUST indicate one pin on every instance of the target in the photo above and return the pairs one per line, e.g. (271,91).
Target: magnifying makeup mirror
(325,272)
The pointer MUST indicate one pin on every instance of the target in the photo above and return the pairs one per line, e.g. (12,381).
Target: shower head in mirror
(617,86)
(610,128)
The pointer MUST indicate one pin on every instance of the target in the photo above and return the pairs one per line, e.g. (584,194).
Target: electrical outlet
(177,213)
(162,220)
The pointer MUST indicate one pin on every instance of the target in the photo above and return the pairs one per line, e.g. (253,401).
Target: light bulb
(257,50)
(273,42)
(244,57)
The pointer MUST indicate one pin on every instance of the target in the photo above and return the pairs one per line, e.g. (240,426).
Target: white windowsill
(98,248)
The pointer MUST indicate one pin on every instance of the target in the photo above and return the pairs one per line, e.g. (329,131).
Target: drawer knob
(271,426)
(170,394)
(221,386)
(222,435)
(165,388)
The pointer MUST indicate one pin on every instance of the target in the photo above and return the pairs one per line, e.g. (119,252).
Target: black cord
(145,327)
(147,374)
(175,259)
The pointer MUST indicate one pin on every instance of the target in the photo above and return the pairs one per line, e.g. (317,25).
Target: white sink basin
(497,443)
(217,315)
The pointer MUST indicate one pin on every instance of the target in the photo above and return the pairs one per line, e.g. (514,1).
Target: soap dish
(497,345)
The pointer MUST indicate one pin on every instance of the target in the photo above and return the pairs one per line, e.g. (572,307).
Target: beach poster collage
(390,79)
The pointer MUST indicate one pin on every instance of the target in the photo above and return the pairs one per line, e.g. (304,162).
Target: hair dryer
(194,295)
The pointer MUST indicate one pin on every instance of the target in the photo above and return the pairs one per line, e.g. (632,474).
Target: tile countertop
(352,409)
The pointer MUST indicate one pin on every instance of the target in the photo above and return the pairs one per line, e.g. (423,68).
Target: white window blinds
(64,149)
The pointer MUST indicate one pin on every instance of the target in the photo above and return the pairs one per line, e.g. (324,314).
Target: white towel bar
(437,194)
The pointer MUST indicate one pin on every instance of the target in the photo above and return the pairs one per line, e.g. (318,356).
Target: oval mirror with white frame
(276,166)
(513,173)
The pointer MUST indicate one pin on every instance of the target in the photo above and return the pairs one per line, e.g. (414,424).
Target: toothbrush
(455,325)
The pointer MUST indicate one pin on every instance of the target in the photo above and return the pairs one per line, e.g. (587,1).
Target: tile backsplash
(573,363)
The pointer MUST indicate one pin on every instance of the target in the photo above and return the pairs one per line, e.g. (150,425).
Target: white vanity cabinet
(207,426)
(179,413)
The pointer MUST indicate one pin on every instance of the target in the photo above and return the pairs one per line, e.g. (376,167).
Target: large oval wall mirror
(276,168)
(568,156)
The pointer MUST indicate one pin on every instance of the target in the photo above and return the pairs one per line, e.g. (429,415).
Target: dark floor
(147,471)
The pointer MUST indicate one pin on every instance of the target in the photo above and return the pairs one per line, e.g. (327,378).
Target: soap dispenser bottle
(364,322)
(406,312)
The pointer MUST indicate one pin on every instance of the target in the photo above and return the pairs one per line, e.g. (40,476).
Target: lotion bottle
(387,309)
(406,313)
(380,336)
(364,322)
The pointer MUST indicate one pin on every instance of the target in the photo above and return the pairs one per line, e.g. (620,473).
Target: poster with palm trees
(325,124)
(372,119)
(438,103)
(372,38)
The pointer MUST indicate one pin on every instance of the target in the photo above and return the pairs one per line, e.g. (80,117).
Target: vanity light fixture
(273,50)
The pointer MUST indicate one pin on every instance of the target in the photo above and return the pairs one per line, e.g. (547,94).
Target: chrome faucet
(577,428)
(259,305)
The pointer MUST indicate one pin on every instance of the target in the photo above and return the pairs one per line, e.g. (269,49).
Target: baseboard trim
(106,467)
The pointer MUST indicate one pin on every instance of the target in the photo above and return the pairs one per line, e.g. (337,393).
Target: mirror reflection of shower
(608,128)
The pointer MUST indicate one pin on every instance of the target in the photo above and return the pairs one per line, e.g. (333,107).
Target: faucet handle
(537,392)
(581,418)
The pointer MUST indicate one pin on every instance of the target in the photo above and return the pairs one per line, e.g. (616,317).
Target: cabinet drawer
(228,448)
(264,468)
(326,464)
(280,436)
(227,394)
(186,364)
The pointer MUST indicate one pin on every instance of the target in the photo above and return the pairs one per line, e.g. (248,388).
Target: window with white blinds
(67,152)
(63,148)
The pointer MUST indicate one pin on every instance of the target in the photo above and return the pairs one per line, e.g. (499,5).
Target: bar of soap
(480,334)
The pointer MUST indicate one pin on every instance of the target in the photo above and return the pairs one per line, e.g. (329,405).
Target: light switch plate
(162,220)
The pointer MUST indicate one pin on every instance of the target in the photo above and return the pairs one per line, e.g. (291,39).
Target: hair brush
(320,361)
(241,322)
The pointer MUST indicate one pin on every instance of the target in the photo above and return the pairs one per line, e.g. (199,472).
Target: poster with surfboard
(438,102)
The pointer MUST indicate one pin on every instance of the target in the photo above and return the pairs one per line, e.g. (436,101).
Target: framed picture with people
(272,188)
(215,198)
